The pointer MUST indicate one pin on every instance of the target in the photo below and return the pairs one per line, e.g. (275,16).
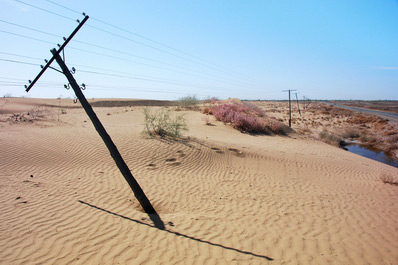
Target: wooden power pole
(138,192)
(290,106)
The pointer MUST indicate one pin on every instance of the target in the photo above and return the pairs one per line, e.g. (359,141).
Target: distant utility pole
(298,106)
(138,192)
(290,106)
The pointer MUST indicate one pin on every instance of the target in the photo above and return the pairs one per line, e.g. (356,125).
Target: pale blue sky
(342,49)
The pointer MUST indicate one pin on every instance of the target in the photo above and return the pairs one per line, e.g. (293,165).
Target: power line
(36,30)
(67,8)
(12,61)
(116,75)
(138,77)
(141,63)
(22,56)
(143,79)
(45,10)
(152,47)
(126,75)
(127,60)
(109,56)
(26,37)
(132,88)
(212,65)
(137,35)
(117,51)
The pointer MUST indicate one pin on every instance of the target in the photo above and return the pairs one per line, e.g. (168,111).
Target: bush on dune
(248,118)
(160,123)
(189,102)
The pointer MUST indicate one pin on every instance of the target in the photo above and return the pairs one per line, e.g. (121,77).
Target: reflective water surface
(372,154)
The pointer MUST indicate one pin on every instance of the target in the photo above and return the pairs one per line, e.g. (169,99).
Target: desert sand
(225,197)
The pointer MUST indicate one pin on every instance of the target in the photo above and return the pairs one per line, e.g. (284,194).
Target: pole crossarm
(31,83)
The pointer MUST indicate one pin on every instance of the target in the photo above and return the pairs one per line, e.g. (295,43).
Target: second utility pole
(290,106)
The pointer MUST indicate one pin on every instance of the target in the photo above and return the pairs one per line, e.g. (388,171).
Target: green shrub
(188,102)
(160,123)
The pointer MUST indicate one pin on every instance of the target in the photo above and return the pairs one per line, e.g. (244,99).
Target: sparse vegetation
(329,138)
(305,130)
(160,123)
(189,102)
(392,143)
(248,118)
(34,115)
(350,133)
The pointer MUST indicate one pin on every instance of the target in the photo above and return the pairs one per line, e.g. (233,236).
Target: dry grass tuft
(189,102)
(330,138)
(389,179)
(351,133)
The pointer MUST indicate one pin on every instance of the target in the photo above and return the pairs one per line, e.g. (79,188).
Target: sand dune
(224,197)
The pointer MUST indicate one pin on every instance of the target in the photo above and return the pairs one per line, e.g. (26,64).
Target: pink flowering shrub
(250,124)
(248,118)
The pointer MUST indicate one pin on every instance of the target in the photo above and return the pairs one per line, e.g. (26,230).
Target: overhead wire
(13,61)
(125,38)
(26,37)
(22,56)
(116,75)
(139,35)
(98,46)
(122,75)
(216,78)
(147,79)
(70,47)
(113,50)
(45,10)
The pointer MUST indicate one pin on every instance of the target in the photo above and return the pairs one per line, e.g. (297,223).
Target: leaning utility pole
(290,106)
(138,192)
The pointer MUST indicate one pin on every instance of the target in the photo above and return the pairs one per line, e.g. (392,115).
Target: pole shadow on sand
(158,223)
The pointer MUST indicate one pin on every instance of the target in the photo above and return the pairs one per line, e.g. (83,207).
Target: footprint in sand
(218,150)
(236,152)
(180,153)
(19,198)
(35,184)
(151,166)
(172,162)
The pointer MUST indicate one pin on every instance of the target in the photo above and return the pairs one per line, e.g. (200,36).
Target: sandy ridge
(225,198)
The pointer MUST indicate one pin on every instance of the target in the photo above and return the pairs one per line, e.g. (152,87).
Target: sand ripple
(258,200)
